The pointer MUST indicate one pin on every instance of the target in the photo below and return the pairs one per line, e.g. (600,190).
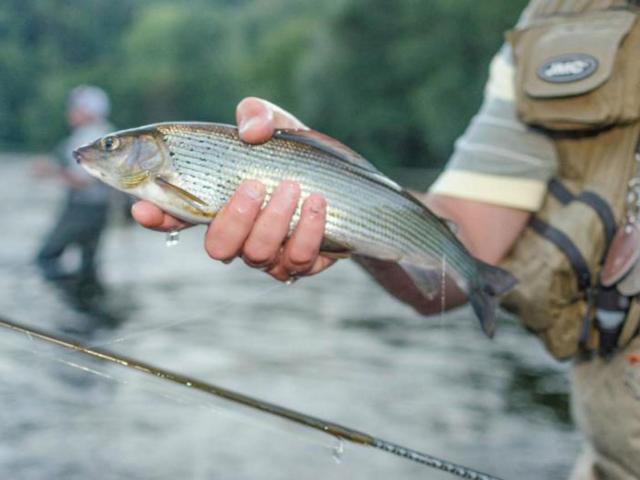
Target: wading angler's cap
(91,99)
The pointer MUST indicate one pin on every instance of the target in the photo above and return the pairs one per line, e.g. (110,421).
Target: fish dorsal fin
(337,150)
(340,151)
(327,144)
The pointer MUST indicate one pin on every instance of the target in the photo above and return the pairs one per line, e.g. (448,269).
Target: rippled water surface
(334,346)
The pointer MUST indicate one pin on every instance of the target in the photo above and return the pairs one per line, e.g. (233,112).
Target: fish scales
(302,167)
(278,173)
(192,169)
(274,162)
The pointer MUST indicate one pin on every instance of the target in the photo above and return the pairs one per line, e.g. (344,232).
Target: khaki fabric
(594,122)
(547,298)
(605,398)
(608,95)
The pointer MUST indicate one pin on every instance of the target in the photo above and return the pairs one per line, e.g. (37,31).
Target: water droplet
(188,384)
(173,238)
(292,279)
(337,452)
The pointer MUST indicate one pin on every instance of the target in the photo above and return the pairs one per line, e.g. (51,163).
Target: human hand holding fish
(289,200)
(260,237)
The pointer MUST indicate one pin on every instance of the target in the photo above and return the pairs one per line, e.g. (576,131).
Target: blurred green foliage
(398,81)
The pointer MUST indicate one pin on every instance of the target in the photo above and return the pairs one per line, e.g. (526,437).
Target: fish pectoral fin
(333,249)
(181,193)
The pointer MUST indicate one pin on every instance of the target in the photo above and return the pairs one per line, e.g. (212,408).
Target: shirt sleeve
(499,159)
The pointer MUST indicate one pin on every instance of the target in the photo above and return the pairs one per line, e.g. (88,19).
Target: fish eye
(109,144)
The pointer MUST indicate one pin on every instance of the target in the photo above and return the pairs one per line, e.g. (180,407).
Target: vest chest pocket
(578,71)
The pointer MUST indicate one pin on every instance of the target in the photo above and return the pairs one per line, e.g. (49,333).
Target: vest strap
(560,192)
(564,243)
(589,198)
(602,208)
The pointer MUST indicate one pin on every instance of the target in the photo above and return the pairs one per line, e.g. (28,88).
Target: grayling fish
(192,169)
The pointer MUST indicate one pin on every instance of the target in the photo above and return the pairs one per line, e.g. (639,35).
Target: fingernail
(248,123)
(284,196)
(252,189)
(316,204)
(288,188)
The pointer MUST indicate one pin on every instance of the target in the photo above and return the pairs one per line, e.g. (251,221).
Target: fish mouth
(83,157)
(77,155)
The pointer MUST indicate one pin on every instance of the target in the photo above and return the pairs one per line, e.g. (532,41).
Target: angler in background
(85,210)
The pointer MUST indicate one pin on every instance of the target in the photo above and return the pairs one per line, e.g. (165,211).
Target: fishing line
(84,368)
(443,289)
(330,428)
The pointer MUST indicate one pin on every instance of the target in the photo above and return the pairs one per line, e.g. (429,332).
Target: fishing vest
(578,81)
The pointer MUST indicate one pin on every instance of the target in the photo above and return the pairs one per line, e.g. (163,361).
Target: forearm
(487,230)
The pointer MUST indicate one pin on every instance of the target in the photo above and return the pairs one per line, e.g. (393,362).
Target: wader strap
(599,298)
(605,299)
(564,243)
(603,210)
(608,341)
(558,190)
(591,199)
(611,311)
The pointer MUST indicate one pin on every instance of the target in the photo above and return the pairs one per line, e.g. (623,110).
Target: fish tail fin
(484,305)
(493,281)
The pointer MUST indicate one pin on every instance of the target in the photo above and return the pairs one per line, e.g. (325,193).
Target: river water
(334,346)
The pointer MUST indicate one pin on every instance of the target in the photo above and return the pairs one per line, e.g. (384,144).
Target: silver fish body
(194,168)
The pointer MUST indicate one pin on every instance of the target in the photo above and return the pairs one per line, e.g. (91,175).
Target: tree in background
(398,80)
(401,80)
(46,47)
(177,63)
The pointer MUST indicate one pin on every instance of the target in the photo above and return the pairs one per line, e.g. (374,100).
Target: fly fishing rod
(309,421)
